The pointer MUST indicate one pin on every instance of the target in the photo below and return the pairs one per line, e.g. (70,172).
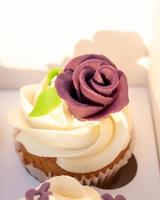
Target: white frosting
(79,146)
(68,188)
(72,189)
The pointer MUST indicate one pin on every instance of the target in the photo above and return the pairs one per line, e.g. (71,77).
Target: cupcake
(75,122)
(66,188)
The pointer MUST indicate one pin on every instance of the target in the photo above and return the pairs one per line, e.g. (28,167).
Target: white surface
(145,186)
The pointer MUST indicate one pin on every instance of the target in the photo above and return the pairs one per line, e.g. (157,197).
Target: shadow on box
(125,175)
(126,49)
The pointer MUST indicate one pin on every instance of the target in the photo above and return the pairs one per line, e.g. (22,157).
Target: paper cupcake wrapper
(101,179)
(105,177)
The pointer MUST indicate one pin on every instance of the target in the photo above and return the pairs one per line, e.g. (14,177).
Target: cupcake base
(43,168)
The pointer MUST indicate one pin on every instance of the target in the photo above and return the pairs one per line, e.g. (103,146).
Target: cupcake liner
(103,178)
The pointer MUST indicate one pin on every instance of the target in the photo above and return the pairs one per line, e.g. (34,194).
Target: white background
(34,33)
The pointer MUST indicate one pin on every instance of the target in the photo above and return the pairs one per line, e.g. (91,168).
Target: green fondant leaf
(52,73)
(47,100)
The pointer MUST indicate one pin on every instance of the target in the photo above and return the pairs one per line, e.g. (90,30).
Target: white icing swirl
(72,189)
(79,146)
(68,188)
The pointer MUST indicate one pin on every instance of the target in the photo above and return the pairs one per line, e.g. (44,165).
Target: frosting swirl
(79,146)
(92,87)
(72,190)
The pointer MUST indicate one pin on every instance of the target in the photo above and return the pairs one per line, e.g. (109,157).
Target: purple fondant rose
(92,87)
